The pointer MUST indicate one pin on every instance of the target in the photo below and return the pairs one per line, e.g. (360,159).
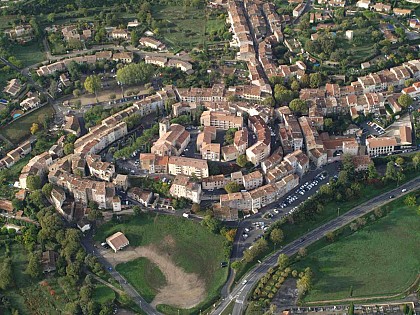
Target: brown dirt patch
(183,290)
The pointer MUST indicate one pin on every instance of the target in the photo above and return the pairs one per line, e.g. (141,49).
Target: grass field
(144,275)
(331,211)
(102,294)
(192,247)
(29,54)
(17,130)
(186,28)
(383,258)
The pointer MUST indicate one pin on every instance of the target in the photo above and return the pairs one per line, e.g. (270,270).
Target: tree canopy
(135,73)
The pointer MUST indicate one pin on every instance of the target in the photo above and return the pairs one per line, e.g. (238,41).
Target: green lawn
(102,294)
(383,258)
(18,130)
(185,28)
(29,54)
(145,276)
(191,246)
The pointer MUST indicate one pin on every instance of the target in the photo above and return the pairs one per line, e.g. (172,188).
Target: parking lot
(253,227)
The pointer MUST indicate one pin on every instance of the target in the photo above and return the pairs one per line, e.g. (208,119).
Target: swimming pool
(16,116)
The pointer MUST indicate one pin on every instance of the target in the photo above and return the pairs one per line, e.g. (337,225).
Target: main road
(241,291)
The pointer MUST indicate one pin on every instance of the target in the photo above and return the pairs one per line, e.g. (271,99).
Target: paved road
(241,291)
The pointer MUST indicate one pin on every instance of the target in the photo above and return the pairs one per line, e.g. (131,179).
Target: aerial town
(210,157)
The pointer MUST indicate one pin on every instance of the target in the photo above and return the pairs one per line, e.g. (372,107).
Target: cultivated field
(187,254)
(382,258)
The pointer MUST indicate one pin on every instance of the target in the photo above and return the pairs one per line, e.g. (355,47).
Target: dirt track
(183,290)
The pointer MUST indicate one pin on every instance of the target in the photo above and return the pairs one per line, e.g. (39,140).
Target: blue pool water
(16,116)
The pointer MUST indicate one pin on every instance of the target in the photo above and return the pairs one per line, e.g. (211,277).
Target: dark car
(223,264)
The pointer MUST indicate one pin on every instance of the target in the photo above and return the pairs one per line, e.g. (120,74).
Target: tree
(137,210)
(410,201)
(405,100)
(92,84)
(232,187)
(416,160)
(241,160)
(195,208)
(399,161)
(315,80)
(276,236)
(282,94)
(330,236)
(282,261)
(34,267)
(6,274)
(390,172)
(302,252)
(33,182)
(68,148)
(34,128)
(135,73)
(77,93)
(372,172)
(298,106)
(46,189)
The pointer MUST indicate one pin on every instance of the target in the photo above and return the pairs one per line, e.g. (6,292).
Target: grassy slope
(103,294)
(29,54)
(145,276)
(19,129)
(192,246)
(383,258)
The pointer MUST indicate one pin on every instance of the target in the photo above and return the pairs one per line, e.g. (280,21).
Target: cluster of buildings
(82,177)
(168,62)
(123,57)
(368,95)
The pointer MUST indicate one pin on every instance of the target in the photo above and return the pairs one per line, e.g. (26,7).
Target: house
(214,182)
(83,225)
(361,162)
(121,181)
(30,102)
(49,261)
(124,57)
(252,180)
(153,164)
(380,146)
(415,24)
(143,196)
(178,165)
(363,4)
(119,34)
(152,43)
(298,10)
(13,87)
(401,12)
(64,79)
(134,23)
(117,241)
(221,120)
(380,7)
(72,125)
(156,60)
(184,187)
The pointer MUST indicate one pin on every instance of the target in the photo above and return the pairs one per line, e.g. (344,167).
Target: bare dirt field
(183,290)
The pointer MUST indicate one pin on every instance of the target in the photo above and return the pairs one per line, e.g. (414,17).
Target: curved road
(240,293)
